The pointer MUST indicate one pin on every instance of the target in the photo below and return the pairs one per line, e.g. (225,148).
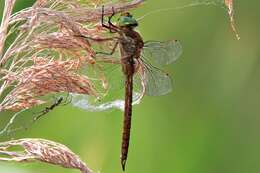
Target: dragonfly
(137,58)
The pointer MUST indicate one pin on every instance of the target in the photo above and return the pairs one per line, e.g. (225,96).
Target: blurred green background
(209,124)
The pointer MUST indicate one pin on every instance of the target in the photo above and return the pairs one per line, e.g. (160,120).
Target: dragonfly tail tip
(123,163)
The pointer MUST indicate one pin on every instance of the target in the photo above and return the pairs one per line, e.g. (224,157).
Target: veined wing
(114,97)
(156,81)
(162,53)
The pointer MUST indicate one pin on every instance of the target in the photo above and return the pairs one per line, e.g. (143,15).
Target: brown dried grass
(46,55)
(41,150)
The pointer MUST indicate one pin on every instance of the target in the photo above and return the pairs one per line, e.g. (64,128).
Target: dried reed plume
(42,150)
(43,77)
(45,54)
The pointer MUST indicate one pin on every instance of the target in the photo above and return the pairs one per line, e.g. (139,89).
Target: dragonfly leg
(110,17)
(109,20)
(112,28)
(109,53)
(97,39)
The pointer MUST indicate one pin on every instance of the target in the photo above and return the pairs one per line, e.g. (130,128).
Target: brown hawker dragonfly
(137,60)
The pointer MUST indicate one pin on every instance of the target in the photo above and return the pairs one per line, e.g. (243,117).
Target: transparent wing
(156,81)
(115,93)
(151,80)
(162,53)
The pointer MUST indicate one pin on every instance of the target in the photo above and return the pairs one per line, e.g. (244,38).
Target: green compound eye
(127,21)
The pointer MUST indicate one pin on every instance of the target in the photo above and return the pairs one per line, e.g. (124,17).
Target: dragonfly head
(127,20)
